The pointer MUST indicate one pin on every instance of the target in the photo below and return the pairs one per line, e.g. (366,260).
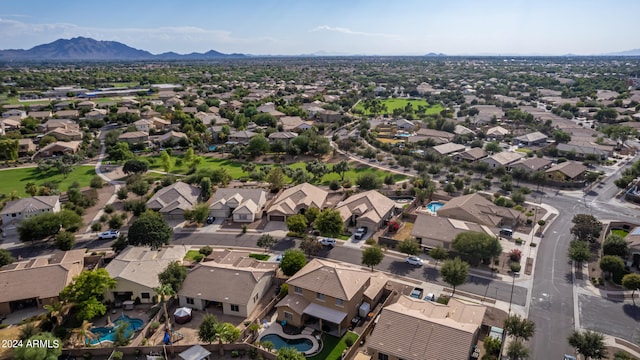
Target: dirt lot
(104,195)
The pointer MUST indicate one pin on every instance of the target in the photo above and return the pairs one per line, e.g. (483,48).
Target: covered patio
(325,319)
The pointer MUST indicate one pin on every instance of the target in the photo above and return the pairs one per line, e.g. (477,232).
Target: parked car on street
(109,234)
(327,242)
(413,260)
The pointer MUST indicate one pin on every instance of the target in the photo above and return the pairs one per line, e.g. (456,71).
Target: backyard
(392,104)
(333,347)
(15,179)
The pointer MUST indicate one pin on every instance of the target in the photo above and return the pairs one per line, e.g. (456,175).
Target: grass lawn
(234,169)
(16,179)
(393,104)
(191,255)
(620,232)
(389,141)
(262,257)
(333,347)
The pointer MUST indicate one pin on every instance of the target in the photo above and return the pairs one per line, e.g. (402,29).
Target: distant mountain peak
(87,49)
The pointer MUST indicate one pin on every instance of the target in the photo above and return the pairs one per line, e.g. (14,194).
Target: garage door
(218,214)
(276,218)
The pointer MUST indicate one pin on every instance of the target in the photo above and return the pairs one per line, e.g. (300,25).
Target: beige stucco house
(173,200)
(477,209)
(16,210)
(296,200)
(242,205)
(369,208)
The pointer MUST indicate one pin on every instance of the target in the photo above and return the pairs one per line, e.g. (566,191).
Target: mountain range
(87,49)
(81,48)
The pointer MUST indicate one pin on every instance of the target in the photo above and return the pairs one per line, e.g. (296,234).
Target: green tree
(189,156)
(122,337)
(173,275)
(135,166)
(318,169)
(310,246)
(586,227)
(631,282)
(588,343)
(43,225)
(372,256)
(55,313)
(86,291)
(341,168)
(311,214)
(226,333)
(139,187)
(613,265)
(206,188)
(120,151)
(258,145)
(65,240)
(454,272)
(276,179)
(409,246)
(492,147)
(438,254)
(519,327)
(51,352)
(150,229)
(492,346)
(329,223)
(369,181)
(266,241)
(165,291)
(579,251)
(615,245)
(289,353)
(198,214)
(207,329)
(31,188)
(292,261)
(517,350)
(165,160)
(297,223)
(5,257)
(9,149)
(475,246)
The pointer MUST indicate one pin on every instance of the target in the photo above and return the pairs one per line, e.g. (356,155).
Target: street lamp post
(513,281)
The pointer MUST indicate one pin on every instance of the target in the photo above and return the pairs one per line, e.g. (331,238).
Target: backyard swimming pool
(434,206)
(108,333)
(278,341)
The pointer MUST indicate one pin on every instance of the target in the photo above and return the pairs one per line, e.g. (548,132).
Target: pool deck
(275,328)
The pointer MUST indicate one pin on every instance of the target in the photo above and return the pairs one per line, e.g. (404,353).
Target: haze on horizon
(367,27)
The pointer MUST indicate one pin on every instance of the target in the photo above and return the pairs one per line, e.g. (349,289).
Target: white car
(413,260)
(109,234)
(327,242)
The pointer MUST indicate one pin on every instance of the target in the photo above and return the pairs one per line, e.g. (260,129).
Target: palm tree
(81,336)
(517,350)
(164,291)
(55,313)
(588,343)
(226,332)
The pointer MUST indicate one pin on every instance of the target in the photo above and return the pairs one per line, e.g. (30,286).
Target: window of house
(145,295)
(382,356)
(339,302)
(235,308)
(288,316)
(190,301)
(320,296)
(297,290)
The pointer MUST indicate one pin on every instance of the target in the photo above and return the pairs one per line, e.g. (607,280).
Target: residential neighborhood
(411,208)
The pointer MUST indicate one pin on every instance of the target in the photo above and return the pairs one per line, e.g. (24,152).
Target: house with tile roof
(477,209)
(470,156)
(414,329)
(531,139)
(173,200)
(230,280)
(38,281)
(326,296)
(503,159)
(136,271)
(369,208)
(433,231)
(531,164)
(296,200)
(16,210)
(241,205)
(58,148)
(566,171)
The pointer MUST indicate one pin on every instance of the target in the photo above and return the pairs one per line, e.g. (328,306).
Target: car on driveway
(417,293)
(360,232)
(430,297)
(327,242)
(210,220)
(109,234)
(413,260)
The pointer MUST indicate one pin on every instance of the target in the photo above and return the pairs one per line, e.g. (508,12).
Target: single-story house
(566,171)
(241,137)
(41,115)
(71,114)
(37,282)
(433,231)
(58,148)
(243,205)
(328,116)
(532,164)
(53,124)
(25,146)
(504,159)
(471,155)
(405,125)
(284,136)
(171,136)
(136,271)
(475,208)
(437,136)
(134,137)
(65,134)
(582,151)
(144,125)
(296,200)
(14,113)
(294,123)
(369,208)
(414,329)
(16,210)
(531,139)
(173,200)
(497,132)
(463,130)
(448,148)
(230,280)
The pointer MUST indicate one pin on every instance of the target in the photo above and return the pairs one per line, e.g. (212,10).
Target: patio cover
(325,313)
(196,352)
(182,312)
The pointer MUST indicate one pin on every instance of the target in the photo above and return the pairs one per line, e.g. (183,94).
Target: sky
(363,27)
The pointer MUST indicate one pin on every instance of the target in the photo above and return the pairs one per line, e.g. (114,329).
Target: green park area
(234,168)
(16,179)
(389,105)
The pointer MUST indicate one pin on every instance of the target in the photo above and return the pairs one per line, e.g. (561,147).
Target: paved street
(615,318)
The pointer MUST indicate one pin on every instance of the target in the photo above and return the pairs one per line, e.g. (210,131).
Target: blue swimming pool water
(434,206)
(107,333)
(301,345)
